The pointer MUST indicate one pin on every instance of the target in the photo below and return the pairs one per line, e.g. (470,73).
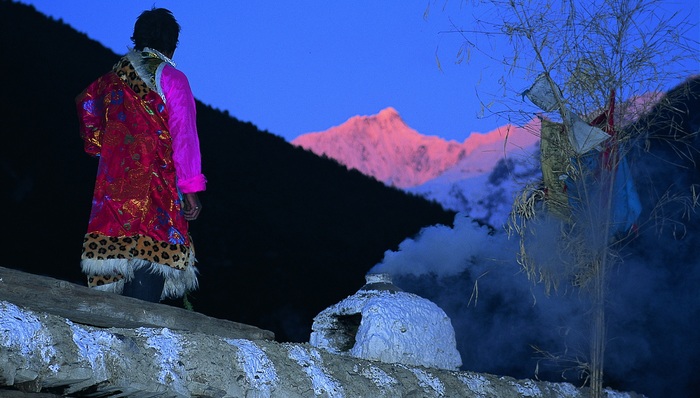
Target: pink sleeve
(183,129)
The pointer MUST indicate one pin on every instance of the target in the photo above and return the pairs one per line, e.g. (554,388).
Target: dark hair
(156,28)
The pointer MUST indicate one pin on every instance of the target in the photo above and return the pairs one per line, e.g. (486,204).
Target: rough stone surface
(91,307)
(47,354)
(390,326)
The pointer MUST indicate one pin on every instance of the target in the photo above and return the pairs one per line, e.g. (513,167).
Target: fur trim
(108,267)
(151,78)
(160,55)
(177,282)
(137,62)
(115,287)
(159,87)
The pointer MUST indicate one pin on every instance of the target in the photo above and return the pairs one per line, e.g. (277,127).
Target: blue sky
(296,67)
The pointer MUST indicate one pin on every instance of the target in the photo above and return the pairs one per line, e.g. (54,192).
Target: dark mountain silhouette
(283,235)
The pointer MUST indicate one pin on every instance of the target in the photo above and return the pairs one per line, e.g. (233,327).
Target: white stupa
(382,322)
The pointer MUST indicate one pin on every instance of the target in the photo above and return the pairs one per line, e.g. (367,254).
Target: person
(139,119)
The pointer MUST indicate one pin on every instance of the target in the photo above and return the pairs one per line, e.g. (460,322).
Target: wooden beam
(86,306)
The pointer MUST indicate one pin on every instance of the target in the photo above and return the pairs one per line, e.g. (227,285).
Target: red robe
(136,218)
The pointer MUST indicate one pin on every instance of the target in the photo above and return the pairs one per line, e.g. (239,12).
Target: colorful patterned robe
(148,155)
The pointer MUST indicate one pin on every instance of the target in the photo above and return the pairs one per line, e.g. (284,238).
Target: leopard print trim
(100,247)
(127,73)
(102,280)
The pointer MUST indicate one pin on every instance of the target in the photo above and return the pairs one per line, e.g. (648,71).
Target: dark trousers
(145,286)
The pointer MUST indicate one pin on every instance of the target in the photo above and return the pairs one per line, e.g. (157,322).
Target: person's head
(156,28)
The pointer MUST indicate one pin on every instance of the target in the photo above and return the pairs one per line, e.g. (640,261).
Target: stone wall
(44,355)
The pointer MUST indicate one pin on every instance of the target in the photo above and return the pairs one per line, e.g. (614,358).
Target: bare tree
(595,66)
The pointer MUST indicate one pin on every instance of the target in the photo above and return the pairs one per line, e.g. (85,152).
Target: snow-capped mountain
(479,176)
(484,196)
(384,147)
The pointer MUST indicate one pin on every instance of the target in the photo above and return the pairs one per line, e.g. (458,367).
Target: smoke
(442,250)
(499,316)
(505,323)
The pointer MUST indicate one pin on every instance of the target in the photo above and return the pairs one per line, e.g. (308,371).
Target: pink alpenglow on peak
(384,147)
